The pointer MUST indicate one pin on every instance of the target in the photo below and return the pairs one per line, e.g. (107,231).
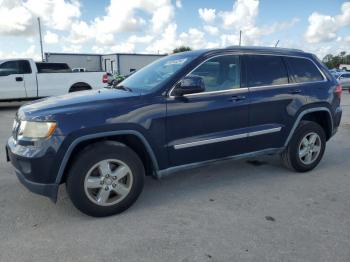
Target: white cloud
(57,14)
(140,39)
(212,30)
(162,17)
(178,3)
(15,19)
(98,49)
(207,15)
(324,28)
(124,18)
(193,38)
(80,33)
(167,41)
(50,38)
(31,52)
(124,48)
(242,15)
(72,48)
(20,17)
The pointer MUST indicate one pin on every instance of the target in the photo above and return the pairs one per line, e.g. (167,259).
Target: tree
(181,49)
(334,61)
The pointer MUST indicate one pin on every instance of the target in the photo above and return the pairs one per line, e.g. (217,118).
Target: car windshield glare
(156,73)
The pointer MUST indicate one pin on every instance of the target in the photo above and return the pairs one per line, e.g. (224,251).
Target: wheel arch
(134,139)
(314,114)
(80,85)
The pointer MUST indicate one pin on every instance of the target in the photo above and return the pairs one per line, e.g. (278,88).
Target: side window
(220,73)
(346,75)
(9,68)
(304,70)
(24,67)
(264,70)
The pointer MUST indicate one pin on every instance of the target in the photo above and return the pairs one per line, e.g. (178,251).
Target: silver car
(344,79)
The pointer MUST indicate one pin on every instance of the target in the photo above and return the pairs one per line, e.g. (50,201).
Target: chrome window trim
(227,138)
(253,87)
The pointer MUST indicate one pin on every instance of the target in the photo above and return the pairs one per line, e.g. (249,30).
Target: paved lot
(233,211)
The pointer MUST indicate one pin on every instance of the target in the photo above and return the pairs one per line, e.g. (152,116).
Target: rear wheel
(306,148)
(105,179)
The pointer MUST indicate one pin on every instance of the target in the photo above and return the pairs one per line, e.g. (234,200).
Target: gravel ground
(233,211)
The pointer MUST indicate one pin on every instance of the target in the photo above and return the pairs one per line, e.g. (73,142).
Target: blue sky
(152,26)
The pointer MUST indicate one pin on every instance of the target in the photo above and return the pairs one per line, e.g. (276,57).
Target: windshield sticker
(176,62)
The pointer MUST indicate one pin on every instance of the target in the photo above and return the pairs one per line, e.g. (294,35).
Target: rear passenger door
(274,100)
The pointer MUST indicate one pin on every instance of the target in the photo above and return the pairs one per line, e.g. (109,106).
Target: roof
(89,54)
(253,49)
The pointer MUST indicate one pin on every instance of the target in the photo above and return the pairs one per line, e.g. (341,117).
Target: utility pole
(277,43)
(41,41)
(240,37)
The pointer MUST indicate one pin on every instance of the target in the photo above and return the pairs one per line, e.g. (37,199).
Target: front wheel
(306,148)
(105,179)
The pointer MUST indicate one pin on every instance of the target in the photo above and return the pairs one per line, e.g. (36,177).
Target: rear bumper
(337,119)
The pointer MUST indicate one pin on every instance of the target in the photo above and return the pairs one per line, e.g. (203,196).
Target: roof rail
(264,47)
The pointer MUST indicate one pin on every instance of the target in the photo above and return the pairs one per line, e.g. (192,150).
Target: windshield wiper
(122,88)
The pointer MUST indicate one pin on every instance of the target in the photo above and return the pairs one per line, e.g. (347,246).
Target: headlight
(36,129)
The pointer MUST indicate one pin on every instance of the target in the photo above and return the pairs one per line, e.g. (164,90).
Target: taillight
(105,78)
(338,90)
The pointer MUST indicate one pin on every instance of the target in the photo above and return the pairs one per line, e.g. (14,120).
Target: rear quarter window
(304,70)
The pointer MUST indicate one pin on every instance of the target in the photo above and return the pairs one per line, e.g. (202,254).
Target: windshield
(156,73)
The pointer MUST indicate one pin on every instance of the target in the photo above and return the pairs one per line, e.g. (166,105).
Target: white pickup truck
(22,79)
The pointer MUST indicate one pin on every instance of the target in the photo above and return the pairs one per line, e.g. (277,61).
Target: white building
(119,63)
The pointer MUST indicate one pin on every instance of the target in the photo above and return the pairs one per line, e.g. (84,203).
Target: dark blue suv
(182,111)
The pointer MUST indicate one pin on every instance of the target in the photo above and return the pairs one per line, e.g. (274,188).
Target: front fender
(86,137)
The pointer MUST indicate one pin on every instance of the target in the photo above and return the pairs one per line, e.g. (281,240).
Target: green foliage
(182,49)
(332,61)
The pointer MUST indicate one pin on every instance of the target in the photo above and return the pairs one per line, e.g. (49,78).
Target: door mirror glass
(189,85)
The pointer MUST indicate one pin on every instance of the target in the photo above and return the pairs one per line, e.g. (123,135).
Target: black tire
(86,160)
(290,156)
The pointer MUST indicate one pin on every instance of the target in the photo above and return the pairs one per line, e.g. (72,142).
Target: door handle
(237,98)
(19,79)
(295,91)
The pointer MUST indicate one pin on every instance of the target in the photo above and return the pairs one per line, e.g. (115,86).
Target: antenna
(240,37)
(277,43)
(41,41)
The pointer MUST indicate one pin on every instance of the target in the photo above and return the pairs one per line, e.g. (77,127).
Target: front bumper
(33,167)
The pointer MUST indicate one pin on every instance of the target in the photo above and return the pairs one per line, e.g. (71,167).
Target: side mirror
(189,85)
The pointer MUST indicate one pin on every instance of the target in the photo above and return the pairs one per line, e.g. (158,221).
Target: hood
(44,109)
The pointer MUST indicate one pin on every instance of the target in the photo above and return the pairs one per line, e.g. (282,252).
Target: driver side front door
(212,124)
(11,81)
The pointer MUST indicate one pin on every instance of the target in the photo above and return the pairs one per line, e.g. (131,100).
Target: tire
(82,183)
(293,156)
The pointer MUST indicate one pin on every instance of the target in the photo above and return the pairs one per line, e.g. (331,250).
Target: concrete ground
(234,211)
